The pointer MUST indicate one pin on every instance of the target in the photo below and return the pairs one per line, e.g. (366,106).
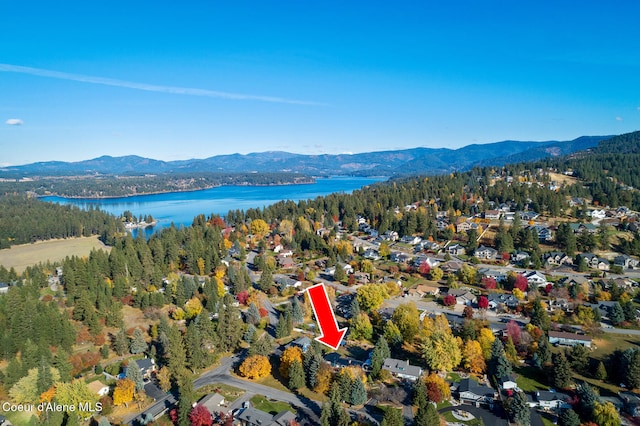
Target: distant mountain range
(381,163)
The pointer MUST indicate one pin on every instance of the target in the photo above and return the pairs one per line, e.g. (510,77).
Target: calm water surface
(181,207)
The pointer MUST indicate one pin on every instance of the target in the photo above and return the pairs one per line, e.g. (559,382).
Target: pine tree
(498,365)
(561,377)
(578,358)
(281,327)
(518,409)
(138,344)
(358,392)
(568,417)
(297,315)
(266,280)
(539,316)
(616,314)
(296,375)
(134,374)
(120,345)
(392,417)
(45,379)
(601,372)
(544,352)
(253,314)
(311,363)
(381,351)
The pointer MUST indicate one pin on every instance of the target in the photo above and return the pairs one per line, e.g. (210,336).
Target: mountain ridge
(385,163)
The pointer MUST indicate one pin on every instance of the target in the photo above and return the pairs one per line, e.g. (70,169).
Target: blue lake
(181,207)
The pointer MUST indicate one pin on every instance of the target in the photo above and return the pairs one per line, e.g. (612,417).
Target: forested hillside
(26,220)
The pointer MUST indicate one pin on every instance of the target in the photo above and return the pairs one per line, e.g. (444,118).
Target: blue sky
(176,81)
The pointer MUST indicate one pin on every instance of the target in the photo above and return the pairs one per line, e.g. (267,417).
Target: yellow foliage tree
(286,228)
(200,263)
(227,244)
(518,294)
(123,392)
(164,378)
(324,377)
(485,339)
(291,354)
(219,286)
(443,386)
(255,367)
(221,270)
(193,307)
(178,314)
(473,358)
(259,228)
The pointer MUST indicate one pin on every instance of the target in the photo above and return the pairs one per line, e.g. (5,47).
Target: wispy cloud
(619,119)
(150,87)
(14,122)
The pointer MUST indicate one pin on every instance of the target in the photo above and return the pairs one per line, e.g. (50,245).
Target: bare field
(564,179)
(21,256)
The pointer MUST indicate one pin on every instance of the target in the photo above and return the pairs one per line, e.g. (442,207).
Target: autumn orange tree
(473,358)
(255,367)
(289,355)
(123,392)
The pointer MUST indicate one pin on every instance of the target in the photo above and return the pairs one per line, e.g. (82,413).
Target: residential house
(285,262)
(557,258)
(338,361)
(548,400)
(499,276)
(390,236)
(483,252)
(410,239)
(568,339)
(544,233)
(498,299)
(520,257)
(146,366)
(4,288)
(424,290)
(492,214)
(578,228)
(463,226)
(402,369)
(463,296)
(98,388)
(471,391)
(595,262)
(604,307)
(625,262)
(535,278)
(284,281)
(451,266)
(428,245)
(508,383)
(527,216)
(372,254)
(431,261)
(400,257)
(213,402)
(455,250)
(597,214)
(302,342)
(251,416)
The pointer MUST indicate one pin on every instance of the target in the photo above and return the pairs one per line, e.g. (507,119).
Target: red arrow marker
(331,335)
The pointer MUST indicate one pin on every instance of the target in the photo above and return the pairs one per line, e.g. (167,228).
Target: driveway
(494,418)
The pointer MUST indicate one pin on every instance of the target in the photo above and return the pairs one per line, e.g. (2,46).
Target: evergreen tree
(120,344)
(134,374)
(61,362)
(578,358)
(253,314)
(266,280)
(311,363)
(616,314)
(498,366)
(601,372)
(358,392)
(561,373)
(296,375)
(518,409)
(587,398)
(392,417)
(281,327)
(568,417)
(230,325)
(44,379)
(138,343)
(381,351)
(263,346)
(297,315)
(539,316)
(354,308)
(544,352)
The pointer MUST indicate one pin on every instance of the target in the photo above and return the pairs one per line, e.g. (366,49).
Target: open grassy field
(563,179)
(22,256)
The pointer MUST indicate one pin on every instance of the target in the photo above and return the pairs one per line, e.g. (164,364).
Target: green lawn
(230,393)
(530,379)
(448,416)
(272,407)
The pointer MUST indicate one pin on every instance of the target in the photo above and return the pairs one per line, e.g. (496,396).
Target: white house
(535,278)
(548,400)
(402,369)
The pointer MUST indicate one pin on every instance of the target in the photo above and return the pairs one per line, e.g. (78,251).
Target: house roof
(470,385)
(254,416)
(551,396)
(96,386)
(212,402)
(283,418)
(145,363)
(399,366)
(567,335)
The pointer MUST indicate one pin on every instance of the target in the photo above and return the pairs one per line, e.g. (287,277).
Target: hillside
(387,163)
